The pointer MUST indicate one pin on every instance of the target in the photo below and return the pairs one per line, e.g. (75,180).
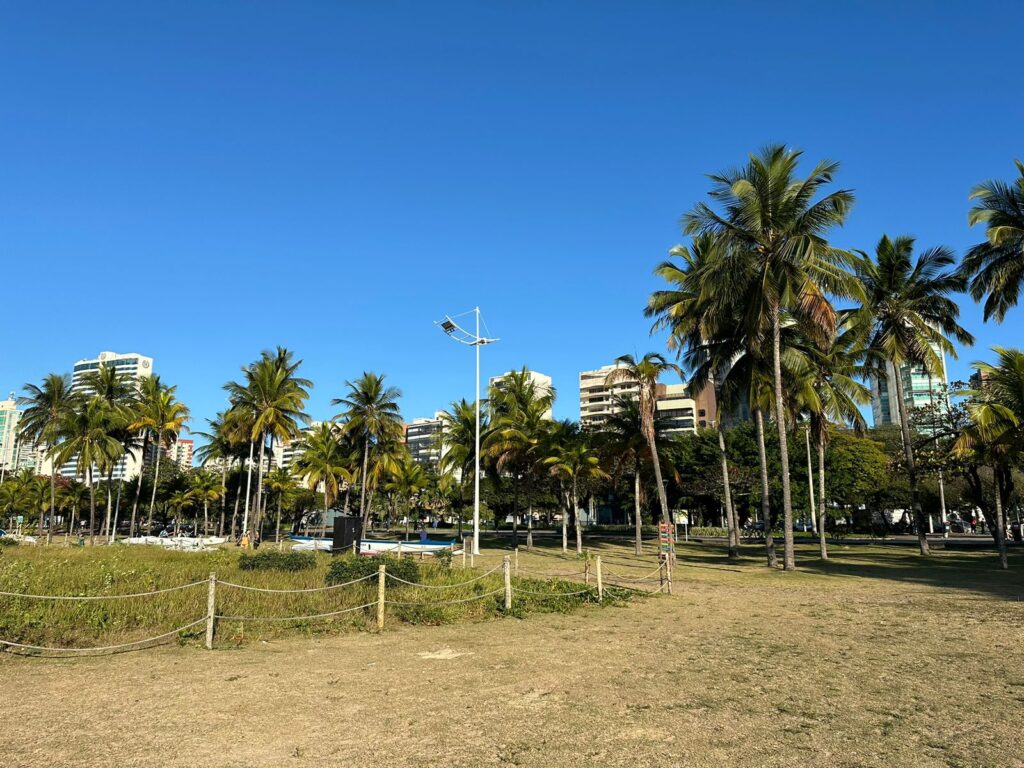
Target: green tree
(907,318)
(323,463)
(205,488)
(45,415)
(776,234)
(995,267)
(575,461)
(281,484)
(372,413)
(163,416)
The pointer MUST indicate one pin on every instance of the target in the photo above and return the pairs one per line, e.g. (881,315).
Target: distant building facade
(180,452)
(542,382)
(423,439)
(921,389)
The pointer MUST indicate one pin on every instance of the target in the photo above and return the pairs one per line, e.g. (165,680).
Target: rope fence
(508,564)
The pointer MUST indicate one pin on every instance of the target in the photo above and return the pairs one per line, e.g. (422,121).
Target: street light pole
(473,339)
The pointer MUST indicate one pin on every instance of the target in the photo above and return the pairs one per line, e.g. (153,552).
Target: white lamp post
(472,339)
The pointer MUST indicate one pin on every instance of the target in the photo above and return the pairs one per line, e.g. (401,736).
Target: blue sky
(200,181)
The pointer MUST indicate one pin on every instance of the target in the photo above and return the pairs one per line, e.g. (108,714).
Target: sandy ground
(741,667)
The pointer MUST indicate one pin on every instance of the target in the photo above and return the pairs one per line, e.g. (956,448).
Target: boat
(370,547)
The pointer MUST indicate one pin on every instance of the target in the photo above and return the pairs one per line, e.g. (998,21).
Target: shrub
(7,542)
(351,567)
(275,560)
(709,531)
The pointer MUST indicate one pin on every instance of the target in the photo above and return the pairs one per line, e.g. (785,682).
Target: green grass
(124,570)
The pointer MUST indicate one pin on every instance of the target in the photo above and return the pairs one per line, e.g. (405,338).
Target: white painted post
(600,581)
(668,574)
(463,553)
(507,572)
(516,555)
(211,610)
(381,577)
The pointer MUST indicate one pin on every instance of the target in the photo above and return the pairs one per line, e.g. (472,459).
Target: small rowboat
(381,546)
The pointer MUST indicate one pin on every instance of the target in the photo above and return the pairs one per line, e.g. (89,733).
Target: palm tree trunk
(277,535)
(92,509)
(362,481)
(908,454)
(53,503)
(529,529)
(223,496)
(766,504)
(822,542)
(156,480)
(565,521)
(789,555)
(1000,526)
(138,486)
(730,512)
(637,522)
(234,513)
(576,518)
(662,497)
(515,512)
(255,522)
(206,517)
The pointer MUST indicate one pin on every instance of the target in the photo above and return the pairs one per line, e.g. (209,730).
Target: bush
(351,567)
(275,560)
(709,531)
(7,542)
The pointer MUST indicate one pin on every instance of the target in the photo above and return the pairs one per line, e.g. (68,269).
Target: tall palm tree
(458,447)
(372,413)
(407,481)
(323,463)
(622,441)
(163,416)
(205,488)
(179,502)
(907,318)
(575,461)
(995,435)
(72,497)
(646,373)
(90,441)
(221,446)
(996,267)
(47,408)
(520,420)
(275,395)
(281,484)
(776,231)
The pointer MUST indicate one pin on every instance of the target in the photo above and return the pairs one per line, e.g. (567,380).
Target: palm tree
(621,439)
(458,445)
(281,484)
(372,413)
(179,502)
(520,420)
(90,441)
(776,232)
(275,396)
(163,416)
(995,435)
(407,481)
(42,421)
(221,446)
(906,319)
(73,496)
(575,461)
(205,488)
(996,267)
(646,373)
(323,463)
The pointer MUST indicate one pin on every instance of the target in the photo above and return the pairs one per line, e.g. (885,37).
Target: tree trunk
(362,481)
(730,512)
(789,556)
(576,517)
(223,495)
(92,509)
(1000,527)
(565,522)
(662,496)
(53,503)
(277,536)
(822,515)
(110,503)
(529,529)
(638,545)
(254,522)
(515,512)
(766,504)
(234,513)
(156,480)
(206,517)
(908,453)
(138,486)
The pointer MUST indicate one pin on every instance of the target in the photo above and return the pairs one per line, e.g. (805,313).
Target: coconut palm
(205,488)
(520,419)
(996,267)
(406,482)
(323,463)
(179,502)
(163,416)
(72,496)
(275,396)
(90,440)
(576,462)
(907,319)
(646,372)
(47,407)
(371,413)
(458,446)
(776,231)
(281,484)
(222,445)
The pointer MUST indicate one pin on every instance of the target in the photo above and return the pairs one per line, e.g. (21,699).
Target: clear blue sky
(198,181)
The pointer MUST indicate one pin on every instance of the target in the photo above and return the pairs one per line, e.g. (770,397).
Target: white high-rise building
(542,383)
(920,390)
(598,401)
(131,364)
(423,439)
(9,418)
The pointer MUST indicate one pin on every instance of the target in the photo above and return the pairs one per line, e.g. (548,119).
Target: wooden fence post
(381,576)
(668,574)
(516,555)
(211,610)
(507,572)
(600,581)
(586,570)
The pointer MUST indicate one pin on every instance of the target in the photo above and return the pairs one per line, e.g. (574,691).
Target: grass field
(877,658)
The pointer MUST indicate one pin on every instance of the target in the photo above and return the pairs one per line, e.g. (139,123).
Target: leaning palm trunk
(576,519)
(662,497)
(254,523)
(234,513)
(822,543)
(277,535)
(730,512)
(223,496)
(908,453)
(637,522)
(789,555)
(156,480)
(92,509)
(138,487)
(766,505)
(53,503)
(110,503)
(363,511)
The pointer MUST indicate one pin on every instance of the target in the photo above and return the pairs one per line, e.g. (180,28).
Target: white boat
(179,543)
(380,546)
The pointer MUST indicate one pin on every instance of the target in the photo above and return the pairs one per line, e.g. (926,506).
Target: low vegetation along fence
(363,593)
